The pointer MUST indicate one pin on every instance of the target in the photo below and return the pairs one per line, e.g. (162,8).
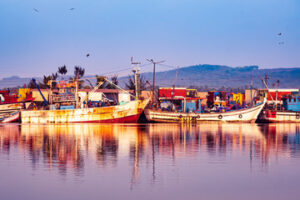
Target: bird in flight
(280,43)
(279,34)
(72,9)
(36,10)
(87,55)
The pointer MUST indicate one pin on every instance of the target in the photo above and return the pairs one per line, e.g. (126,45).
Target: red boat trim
(128,119)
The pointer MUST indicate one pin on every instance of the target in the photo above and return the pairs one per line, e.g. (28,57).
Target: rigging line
(129,68)
(120,88)
(168,66)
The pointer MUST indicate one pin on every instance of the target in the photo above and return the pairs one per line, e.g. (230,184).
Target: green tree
(78,72)
(130,85)
(44,83)
(113,84)
(62,70)
(31,84)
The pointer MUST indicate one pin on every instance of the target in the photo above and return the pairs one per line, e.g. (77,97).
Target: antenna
(135,65)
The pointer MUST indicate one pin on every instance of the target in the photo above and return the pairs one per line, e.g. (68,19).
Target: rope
(120,88)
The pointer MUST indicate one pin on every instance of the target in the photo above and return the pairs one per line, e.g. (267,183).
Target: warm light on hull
(243,115)
(129,112)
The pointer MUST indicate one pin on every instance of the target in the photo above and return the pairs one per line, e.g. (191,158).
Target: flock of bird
(88,55)
(36,10)
(280,43)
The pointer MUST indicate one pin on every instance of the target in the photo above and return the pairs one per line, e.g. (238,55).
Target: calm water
(154,161)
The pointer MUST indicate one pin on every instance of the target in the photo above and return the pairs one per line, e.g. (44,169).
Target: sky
(181,32)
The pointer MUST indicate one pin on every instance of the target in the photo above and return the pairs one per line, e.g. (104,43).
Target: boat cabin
(179,100)
(5,97)
(274,96)
(292,103)
(15,96)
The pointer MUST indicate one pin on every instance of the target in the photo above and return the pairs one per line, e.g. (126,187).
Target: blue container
(67,107)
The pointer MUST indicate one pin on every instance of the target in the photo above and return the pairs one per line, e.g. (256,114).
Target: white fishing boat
(279,116)
(11,104)
(243,115)
(10,117)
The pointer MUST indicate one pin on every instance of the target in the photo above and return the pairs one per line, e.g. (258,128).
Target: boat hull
(126,113)
(6,110)
(13,117)
(279,116)
(243,115)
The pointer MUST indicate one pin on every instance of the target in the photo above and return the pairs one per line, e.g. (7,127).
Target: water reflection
(71,147)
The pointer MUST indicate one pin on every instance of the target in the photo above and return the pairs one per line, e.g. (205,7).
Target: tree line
(79,73)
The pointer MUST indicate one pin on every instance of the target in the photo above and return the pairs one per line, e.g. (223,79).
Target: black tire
(180,116)
(240,116)
(220,116)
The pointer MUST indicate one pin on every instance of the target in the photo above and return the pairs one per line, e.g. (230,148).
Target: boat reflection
(71,147)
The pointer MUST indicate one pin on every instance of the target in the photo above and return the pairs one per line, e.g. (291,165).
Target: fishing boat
(13,107)
(186,105)
(65,106)
(125,113)
(288,111)
(279,116)
(242,115)
(10,117)
(10,105)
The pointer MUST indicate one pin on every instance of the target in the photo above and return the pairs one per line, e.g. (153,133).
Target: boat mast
(264,82)
(277,93)
(50,99)
(76,91)
(173,94)
(136,71)
(251,87)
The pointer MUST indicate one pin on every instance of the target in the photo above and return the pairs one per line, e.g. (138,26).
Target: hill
(205,77)
(217,76)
